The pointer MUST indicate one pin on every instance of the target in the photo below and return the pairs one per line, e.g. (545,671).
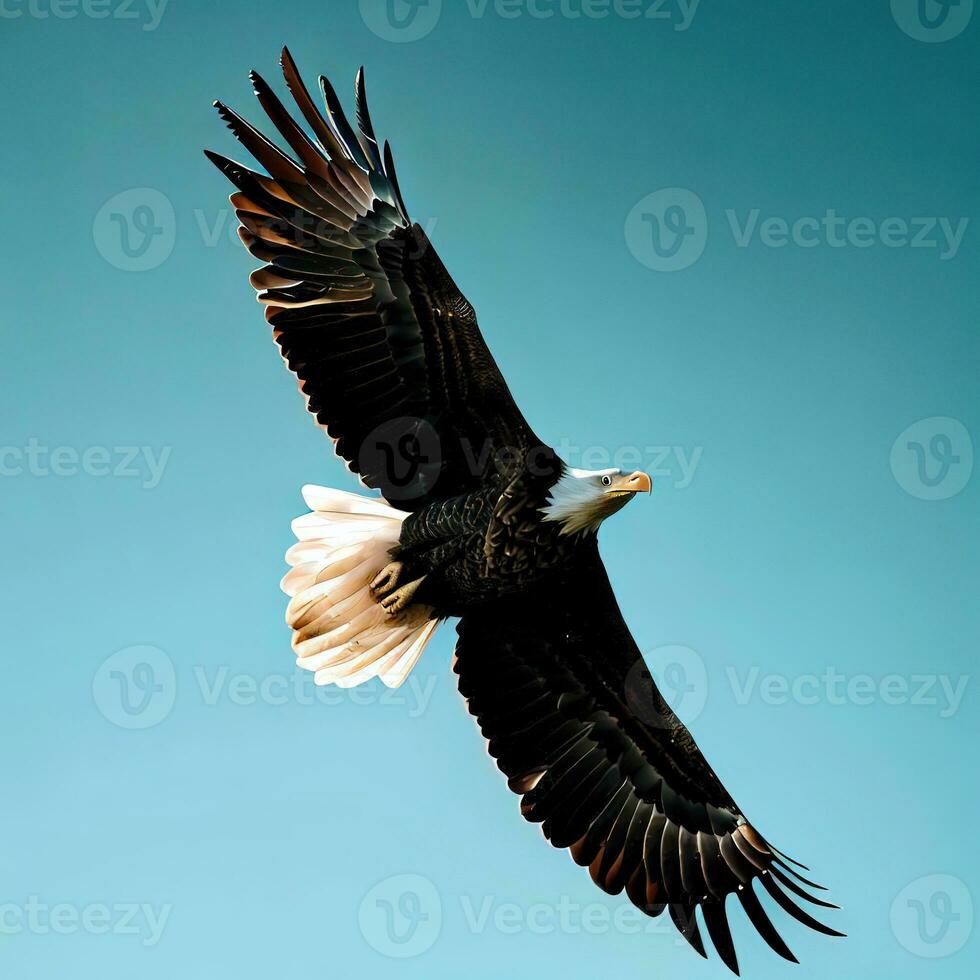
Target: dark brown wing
(386,348)
(576,723)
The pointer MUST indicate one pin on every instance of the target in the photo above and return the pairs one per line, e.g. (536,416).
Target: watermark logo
(667,230)
(401,917)
(412,20)
(136,229)
(401,20)
(933,916)
(139,920)
(143,463)
(674,466)
(933,458)
(405,454)
(679,13)
(136,687)
(943,692)
(944,235)
(566,916)
(932,21)
(681,679)
(223,686)
(148,12)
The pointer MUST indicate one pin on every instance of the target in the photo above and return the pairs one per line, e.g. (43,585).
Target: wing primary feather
(302,145)
(716,921)
(264,150)
(368,141)
(787,882)
(633,870)
(231,168)
(636,888)
(340,126)
(743,869)
(790,907)
(692,876)
(685,919)
(798,876)
(651,847)
(718,876)
(331,145)
(786,857)
(763,925)
(393,180)
(749,853)
(670,862)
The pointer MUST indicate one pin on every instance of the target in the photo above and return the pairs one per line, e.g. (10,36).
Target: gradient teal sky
(793,562)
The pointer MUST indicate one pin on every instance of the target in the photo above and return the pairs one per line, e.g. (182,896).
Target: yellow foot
(395,602)
(387,578)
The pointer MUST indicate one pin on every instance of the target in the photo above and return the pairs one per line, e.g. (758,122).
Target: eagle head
(582,499)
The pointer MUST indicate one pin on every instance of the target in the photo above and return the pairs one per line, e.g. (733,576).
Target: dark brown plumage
(386,348)
(499,531)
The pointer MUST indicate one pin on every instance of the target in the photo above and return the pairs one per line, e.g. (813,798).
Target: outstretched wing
(575,721)
(386,348)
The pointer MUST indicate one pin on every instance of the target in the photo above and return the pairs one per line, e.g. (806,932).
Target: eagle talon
(395,602)
(387,578)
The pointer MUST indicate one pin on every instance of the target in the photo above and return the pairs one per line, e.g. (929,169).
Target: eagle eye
(607,481)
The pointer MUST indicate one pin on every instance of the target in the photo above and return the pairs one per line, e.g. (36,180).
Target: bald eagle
(477,519)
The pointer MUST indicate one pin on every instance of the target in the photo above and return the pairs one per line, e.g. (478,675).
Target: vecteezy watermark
(682,687)
(836,688)
(933,916)
(681,680)
(675,465)
(135,230)
(149,13)
(834,231)
(401,916)
(136,687)
(932,21)
(680,13)
(412,20)
(141,920)
(566,916)
(933,458)
(668,230)
(222,685)
(220,225)
(408,451)
(120,462)
(401,20)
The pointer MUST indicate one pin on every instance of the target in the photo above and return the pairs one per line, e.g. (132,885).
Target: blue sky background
(791,539)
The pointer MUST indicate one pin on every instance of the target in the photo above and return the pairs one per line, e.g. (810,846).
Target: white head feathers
(580,501)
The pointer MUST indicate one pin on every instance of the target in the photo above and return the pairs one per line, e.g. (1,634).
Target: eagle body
(475,517)
(479,547)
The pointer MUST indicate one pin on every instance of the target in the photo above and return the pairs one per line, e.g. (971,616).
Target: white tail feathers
(340,631)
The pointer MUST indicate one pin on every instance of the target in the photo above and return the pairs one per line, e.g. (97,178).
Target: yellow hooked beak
(634,483)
